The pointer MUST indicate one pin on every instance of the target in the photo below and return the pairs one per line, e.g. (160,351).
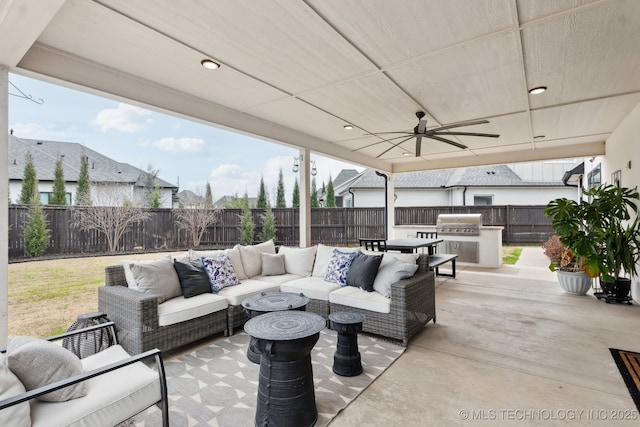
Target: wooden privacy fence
(331,226)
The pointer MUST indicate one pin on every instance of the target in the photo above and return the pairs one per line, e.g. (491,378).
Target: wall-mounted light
(314,171)
(296,165)
(209,64)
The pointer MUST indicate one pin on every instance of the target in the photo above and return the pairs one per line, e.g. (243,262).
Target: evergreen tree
(149,184)
(83,193)
(296,194)
(280,201)
(314,194)
(36,234)
(246,227)
(155,198)
(330,196)
(268,225)
(29,189)
(262,196)
(59,196)
(208,196)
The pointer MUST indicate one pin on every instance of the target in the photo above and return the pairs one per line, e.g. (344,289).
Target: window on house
(46,197)
(594,178)
(482,200)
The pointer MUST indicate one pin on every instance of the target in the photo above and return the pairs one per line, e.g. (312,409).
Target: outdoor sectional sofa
(145,321)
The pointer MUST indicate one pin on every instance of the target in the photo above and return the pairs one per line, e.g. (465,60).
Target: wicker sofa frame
(136,317)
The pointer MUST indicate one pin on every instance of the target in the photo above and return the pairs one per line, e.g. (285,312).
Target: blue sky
(187,153)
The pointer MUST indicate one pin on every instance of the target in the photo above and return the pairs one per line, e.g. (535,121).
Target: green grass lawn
(510,254)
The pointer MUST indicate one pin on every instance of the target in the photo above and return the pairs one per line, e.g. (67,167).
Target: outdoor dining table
(408,245)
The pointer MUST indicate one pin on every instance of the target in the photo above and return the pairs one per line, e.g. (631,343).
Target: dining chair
(379,245)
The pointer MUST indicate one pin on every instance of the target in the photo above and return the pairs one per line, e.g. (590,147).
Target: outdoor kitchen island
(464,235)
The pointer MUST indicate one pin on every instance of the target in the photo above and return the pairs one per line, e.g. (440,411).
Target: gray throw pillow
(157,278)
(363,271)
(390,273)
(39,362)
(272,265)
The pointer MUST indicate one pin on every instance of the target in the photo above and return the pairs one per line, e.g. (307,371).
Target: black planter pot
(622,287)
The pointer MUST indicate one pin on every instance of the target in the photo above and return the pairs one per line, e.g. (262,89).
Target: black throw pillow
(193,279)
(363,271)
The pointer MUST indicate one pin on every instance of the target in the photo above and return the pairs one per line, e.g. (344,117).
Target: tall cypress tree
(208,196)
(29,190)
(83,193)
(262,196)
(330,196)
(280,201)
(314,194)
(296,194)
(59,196)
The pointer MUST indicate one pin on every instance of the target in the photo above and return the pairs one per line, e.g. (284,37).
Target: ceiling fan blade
(387,133)
(392,147)
(488,135)
(418,145)
(385,140)
(457,125)
(455,144)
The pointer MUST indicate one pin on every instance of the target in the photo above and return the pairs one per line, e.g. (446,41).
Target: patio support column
(305,199)
(391,208)
(4,205)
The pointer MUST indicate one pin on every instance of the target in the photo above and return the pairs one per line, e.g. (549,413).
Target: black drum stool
(346,360)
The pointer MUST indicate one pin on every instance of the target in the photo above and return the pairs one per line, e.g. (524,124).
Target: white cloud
(191,145)
(36,131)
(230,179)
(125,118)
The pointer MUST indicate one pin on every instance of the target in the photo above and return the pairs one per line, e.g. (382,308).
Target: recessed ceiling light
(539,136)
(348,127)
(537,90)
(209,64)
(406,153)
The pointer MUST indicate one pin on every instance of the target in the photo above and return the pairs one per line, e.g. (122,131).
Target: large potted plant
(604,230)
(569,267)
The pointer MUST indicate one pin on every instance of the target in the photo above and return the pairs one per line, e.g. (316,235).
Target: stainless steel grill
(459,224)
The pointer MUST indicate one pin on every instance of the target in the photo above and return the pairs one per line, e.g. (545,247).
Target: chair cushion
(298,260)
(157,278)
(272,264)
(338,267)
(10,385)
(112,398)
(220,271)
(363,271)
(323,256)
(313,287)
(126,264)
(181,309)
(193,279)
(387,257)
(37,362)
(359,298)
(277,280)
(392,272)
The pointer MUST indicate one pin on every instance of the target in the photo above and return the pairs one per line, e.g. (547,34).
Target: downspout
(353,198)
(464,196)
(386,204)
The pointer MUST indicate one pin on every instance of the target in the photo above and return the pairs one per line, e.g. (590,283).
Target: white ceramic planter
(574,283)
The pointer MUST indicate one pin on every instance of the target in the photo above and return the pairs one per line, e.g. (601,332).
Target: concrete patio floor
(509,348)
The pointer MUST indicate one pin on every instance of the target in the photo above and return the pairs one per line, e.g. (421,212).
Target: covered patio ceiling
(296,72)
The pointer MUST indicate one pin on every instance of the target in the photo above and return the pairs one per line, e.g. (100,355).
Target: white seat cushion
(238,293)
(313,287)
(279,279)
(10,385)
(298,260)
(180,309)
(111,398)
(359,298)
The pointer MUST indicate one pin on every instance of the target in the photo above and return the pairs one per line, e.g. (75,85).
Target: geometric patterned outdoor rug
(216,385)
(629,365)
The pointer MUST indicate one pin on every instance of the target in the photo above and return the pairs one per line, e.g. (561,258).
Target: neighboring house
(534,184)
(111,182)
(225,201)
(187,198)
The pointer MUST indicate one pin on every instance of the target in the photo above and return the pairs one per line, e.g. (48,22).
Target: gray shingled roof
(102,169)
(344,175)
(482,176)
